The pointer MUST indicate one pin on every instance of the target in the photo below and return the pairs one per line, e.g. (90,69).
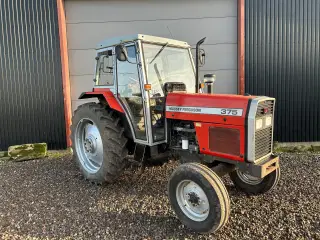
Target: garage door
(90,22)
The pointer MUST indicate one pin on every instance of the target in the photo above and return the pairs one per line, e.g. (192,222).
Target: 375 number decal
(230,112)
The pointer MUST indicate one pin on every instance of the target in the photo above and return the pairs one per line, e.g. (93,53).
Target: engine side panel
(222,109)
(225,141)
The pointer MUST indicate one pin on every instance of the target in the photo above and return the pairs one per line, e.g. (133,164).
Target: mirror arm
(131,62)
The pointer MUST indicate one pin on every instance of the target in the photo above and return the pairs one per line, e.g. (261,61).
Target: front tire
(253,185)
(98,143)
(199,198)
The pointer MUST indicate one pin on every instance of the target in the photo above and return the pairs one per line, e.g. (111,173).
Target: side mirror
(202,57)
(121,53)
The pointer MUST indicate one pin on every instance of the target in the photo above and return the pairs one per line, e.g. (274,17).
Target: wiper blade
(159,52)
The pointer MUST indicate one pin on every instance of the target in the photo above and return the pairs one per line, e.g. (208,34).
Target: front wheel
(199,198)
(253,185)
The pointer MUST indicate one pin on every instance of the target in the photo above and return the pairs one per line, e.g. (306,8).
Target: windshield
(171,65)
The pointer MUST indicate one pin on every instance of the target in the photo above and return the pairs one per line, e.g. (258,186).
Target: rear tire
(199,198)
(251,185)
(98,143)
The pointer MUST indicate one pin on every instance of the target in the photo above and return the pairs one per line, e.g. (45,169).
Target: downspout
(65,68)
(241,47)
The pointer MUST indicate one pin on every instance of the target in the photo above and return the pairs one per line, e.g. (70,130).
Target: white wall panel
(90,22)
(88,35)
(141,10)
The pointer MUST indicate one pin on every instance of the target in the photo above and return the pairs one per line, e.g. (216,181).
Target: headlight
(259,123)
(268,121)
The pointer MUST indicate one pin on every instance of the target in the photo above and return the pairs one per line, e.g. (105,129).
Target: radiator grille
(265,107)
(263,137)
(224,140)
(263,142)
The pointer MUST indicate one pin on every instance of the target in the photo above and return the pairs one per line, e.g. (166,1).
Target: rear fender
(104,94)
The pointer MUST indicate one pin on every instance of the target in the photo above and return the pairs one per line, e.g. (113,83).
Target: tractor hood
(215,108)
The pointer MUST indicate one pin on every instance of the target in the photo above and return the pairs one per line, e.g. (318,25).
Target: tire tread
(112,135)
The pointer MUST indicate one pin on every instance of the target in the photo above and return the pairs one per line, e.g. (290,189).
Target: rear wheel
(199,198)
(253,185)
(98,144)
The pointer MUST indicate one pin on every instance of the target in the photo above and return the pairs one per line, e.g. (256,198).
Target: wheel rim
(88,144)
(246,178)
(192,200)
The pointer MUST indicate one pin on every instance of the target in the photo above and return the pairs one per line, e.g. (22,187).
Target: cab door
(130,93)
(156,98)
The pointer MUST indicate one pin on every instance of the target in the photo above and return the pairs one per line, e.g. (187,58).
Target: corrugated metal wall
(31,97)
(282,61)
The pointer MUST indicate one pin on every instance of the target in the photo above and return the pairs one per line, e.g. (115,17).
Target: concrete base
(27,151)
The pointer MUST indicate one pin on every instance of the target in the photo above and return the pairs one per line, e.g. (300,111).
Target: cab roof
(145,38)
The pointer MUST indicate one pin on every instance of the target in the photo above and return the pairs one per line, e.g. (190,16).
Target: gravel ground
(48,199)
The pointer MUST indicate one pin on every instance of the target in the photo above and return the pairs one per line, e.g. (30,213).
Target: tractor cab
(138,70)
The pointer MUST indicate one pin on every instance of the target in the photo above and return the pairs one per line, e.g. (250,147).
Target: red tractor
(151,107)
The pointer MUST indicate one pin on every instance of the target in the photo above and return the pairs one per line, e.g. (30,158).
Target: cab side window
(128,75)
(104,69)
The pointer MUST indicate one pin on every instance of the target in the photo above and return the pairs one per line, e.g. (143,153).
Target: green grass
(296,148)
(54,154)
